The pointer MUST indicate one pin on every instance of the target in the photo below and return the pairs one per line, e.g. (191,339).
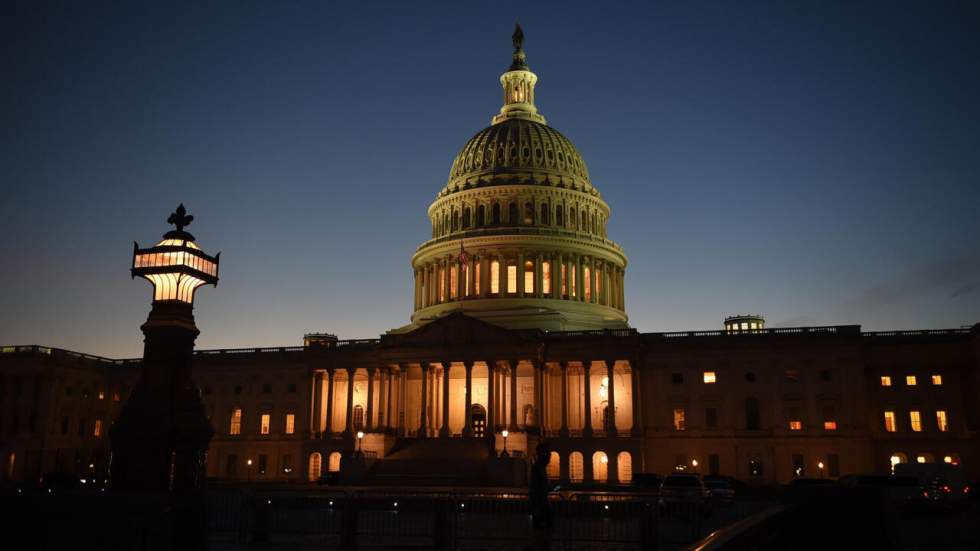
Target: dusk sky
(818,163)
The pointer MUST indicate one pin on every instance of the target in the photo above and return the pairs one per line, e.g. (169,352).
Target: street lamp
(160,438)
(694,463)
(360,441)
(249,470)
(505,433)
(820,467)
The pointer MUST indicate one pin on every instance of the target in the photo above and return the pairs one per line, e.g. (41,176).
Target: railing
(519,230)
(917,333)
(827,329)
(49,351)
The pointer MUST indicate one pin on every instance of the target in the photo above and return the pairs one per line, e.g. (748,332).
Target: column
(382,419)
(389,412)
(520,274)
(556,264)
(444,431)
(513,394)
(315,427)
(350,400)
(539,276)
(587,376)
(369,422)
(471,274)
(610,372)
(484,275)
(591,283)
(330,399)
(564,398)
(635,387)
(446,278)
(425,286)
(491,396)
(622,289)
(460,284)
(467,414)
(579,289)
(423,401)
(607,284)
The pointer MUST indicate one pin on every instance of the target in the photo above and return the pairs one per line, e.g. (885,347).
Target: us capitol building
(519,334)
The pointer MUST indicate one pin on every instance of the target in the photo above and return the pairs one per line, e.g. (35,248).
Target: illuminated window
(528,277)
(554,466)
(709,377)
(679,419)
(97,432)
(895,459)
(315,459)
(453,283)
(266,419)
(890,421)
(115,396)
(941,421)
(333,462)
(442,285)
(920,459)
(546,277)
(886,380)
(795,424)
(574,284)
(910,380)
(600,466)
(575,467)
(102,392)
(495,277)
(236,422)
(937,380)
(915,420)
(564,280)
(290,423)
(587,284)
(511,278)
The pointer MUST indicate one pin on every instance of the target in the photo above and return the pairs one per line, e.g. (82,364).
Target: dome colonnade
(519,232)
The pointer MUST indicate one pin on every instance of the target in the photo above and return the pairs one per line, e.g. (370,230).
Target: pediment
(454,330)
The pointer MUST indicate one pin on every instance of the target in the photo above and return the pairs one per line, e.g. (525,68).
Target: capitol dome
(519,232)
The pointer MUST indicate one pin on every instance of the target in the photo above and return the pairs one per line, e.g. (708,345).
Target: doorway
(478,416)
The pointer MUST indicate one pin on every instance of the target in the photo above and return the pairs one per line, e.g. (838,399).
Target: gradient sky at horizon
(818,163)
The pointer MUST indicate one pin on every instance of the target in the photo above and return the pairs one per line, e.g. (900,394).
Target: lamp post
(248,470)
(820,468)
(160,439)
(360,441)
(694,463)
(505,433)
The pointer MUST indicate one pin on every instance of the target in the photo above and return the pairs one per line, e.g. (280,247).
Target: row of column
(392,388)
(447,280)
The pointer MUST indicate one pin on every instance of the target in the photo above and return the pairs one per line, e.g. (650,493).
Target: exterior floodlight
(175,266)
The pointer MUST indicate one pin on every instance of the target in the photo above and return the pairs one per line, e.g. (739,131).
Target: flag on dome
(462,254)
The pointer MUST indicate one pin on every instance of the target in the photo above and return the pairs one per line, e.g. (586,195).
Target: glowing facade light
(175,266)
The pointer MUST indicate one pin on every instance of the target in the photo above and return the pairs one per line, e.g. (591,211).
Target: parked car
(685,492)
(647,480)
(720,490)
(937,483)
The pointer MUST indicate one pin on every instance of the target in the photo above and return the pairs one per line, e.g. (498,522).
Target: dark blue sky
(819,163)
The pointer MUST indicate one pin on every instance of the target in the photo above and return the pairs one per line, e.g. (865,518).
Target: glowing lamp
(175,266)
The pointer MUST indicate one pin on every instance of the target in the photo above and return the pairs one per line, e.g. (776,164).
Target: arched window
(559,218)
(466,218)
(546,277)
(582,223)
(358,416)
(896,458)
(512,214)
(600,464)
(554,466)
(481,216)
(545,214)
(624,467)
(575,470)
(333,462)
(445,224)
(315,460)
(528,213)
(595,225)
(751,413)
(572,218)
(435,228)
(455,220)
(495,214)
(925,458)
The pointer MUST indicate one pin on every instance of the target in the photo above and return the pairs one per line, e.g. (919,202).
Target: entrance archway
(478,417)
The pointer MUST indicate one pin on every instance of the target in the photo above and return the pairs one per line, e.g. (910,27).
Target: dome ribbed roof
(518,151)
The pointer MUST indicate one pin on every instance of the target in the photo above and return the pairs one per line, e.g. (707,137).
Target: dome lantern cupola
(518,83)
